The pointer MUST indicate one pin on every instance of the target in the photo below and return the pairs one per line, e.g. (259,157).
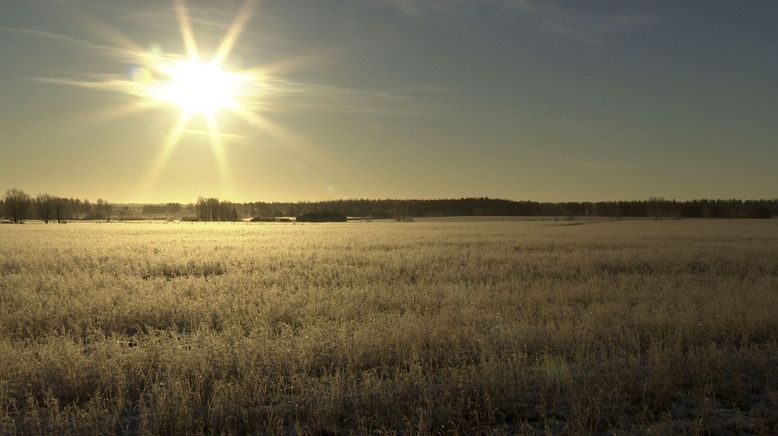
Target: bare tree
(45,205)
(124,213)
(17,203)
(61,209)
(173,208)
(102,210)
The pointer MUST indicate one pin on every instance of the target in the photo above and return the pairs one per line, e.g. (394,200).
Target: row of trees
(163,209)
(214,210)
(655,207)
(211,209)
(18,206)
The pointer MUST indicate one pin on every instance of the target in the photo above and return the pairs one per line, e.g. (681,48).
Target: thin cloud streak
(160,18)
(157,17)
(276,94)
(602,164)
(544,16)
(288,95)
(280,95)
(111,52)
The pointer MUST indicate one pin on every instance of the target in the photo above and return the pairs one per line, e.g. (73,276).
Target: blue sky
(519,99)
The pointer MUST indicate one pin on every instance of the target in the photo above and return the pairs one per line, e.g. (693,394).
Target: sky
(518,99)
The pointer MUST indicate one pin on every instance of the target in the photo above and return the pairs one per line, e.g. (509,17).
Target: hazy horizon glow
(153,102)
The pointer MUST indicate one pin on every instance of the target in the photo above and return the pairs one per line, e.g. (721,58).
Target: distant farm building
(322,217)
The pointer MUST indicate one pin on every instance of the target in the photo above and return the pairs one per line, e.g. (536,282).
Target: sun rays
(211,93)
(197,84)
(198,87)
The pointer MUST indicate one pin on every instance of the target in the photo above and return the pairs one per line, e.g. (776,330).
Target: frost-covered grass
(427,327)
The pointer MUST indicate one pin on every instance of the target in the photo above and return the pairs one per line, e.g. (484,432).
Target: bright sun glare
(197,86)
(201,87)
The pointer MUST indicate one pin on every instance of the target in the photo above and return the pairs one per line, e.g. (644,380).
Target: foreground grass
(426,327)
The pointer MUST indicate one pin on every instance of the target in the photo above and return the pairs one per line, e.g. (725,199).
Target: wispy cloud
(418,7)
(159,16)
(546,16)
(106,83)
(281,95)
(277,94)
(115,53)
(288,95)
(589,27)
(598,163)
(154,15)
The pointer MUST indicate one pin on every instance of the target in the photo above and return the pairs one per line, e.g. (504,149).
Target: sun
(202,86)
(199,87)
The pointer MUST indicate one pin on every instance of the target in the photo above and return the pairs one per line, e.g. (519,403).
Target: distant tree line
(322,217)
(654,208)
(212,209)
(484,206)
(162,209)
(18,206)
